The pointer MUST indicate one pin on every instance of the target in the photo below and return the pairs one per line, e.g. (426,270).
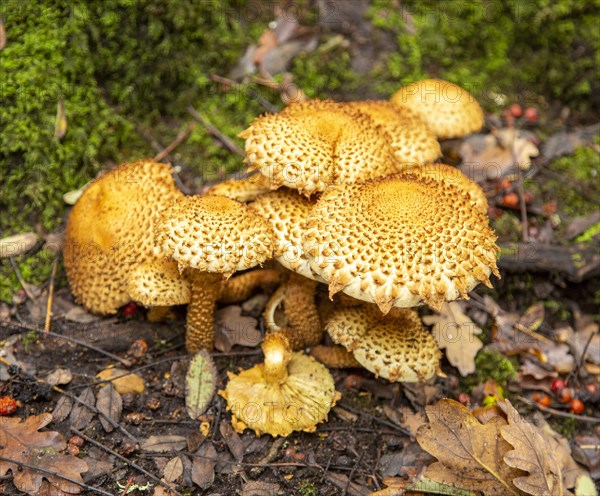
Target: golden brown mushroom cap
(410,138)
(242,190)
(288,392)
(286,210)
(395,346)
(400,241)
(448,110)
(451,175)
(158,284)
(310,145)
(110,230)
(214,234)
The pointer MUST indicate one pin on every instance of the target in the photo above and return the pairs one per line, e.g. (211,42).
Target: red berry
(464,398)
(516,110)
(510,200)
(565,395)
(8,405)
(541,399)
(577,406)
(558,384)
(129,309)
(531,115)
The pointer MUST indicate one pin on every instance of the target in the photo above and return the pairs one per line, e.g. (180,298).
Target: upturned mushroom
(311,145)
(289,392)
(109,232)
(243,190)
(400,241)
(210,237)
(395,346)
(449,110)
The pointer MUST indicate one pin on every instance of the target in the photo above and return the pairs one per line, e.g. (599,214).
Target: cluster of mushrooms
(346,195)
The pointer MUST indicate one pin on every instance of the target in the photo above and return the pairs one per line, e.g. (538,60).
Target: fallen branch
(180,138)
(576,262)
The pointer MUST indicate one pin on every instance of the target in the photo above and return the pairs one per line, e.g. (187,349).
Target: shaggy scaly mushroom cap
(211,236)
(109,232)
(400,241)
(395,346)
(451,175)
(242,190)
(410,138)
(286,210)
(288,392)
(448,110)
(311,145)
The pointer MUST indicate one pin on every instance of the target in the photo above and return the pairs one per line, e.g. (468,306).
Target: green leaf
(199,384)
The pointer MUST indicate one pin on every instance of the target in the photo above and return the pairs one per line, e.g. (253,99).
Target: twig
(351,474)
(124,491)
(180,138)
(124,361)
(225,141)
(522,203)
(50,295)
(20,278)
(126,461)
(230,82)
(559,413)
(21,463)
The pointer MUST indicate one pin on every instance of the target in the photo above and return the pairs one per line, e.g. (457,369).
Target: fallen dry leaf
(81,415)
(259,488)
(203,468)
(2,35)
(173,469)
(492,156)
(59,376)
(110,403)
(17,244)
(22,442)
(234,328)
(469,453)
(62,409)
(161,444)
(456,332)
(531,454)
(397,486)
(233,440)
(123,381)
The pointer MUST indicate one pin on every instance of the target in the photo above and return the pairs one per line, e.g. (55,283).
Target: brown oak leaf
(533,454)
(20,441)
(470,454)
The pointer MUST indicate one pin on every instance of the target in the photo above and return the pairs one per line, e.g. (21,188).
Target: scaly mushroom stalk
(205,290)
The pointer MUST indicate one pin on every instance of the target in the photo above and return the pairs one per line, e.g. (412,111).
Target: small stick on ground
(50,296)
(126,461)
(20,278)
(180,138)
(213,131)
(259,98)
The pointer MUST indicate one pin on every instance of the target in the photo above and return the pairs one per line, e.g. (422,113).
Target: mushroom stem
(277,356)
(200,313)
(334,357)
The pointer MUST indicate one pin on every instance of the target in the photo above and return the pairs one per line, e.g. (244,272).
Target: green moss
(589,234)
(498,49)
(307,488)
(566,427)
(507,227)
(573,181)
(491,365)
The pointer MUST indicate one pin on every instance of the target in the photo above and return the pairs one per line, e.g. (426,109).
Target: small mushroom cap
(110,230)
(158,284)
(400,241)
(242,190)
(214,234)
(286,210)
(297,403)
(451,175)
(310,145)
(395,346)
(410,138)
(448,110)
